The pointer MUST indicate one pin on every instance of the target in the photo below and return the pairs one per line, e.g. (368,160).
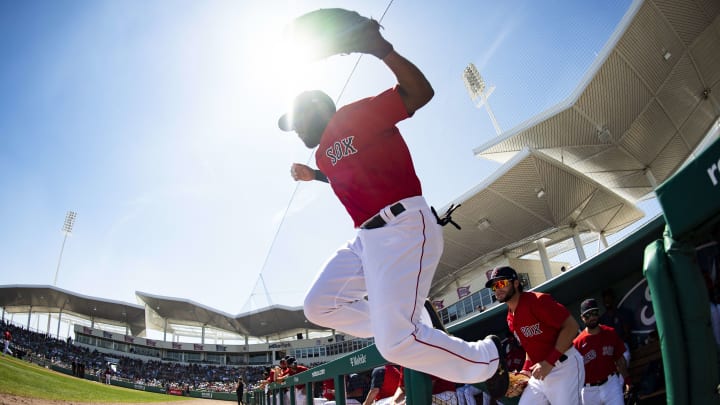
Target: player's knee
(314,309)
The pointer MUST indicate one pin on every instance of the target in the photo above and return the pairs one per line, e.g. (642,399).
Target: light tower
(67,230)
(479,92)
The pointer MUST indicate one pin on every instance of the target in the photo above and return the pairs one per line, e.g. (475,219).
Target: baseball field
(25,383)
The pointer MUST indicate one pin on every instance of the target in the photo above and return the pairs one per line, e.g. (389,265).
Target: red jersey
(599,352)
(365,158)
(536,323)
(386,379)
(515,358)
(297,370)
(440,385)
(328,387)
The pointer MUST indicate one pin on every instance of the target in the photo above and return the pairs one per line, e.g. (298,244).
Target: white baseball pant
(609,393)
(561,386)
(394,266)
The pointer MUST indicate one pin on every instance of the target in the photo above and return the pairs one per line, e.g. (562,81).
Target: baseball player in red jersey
(385,381)
(295,368)
(7,338)
(515,354)
(602,350)
(393,257)
(545,329)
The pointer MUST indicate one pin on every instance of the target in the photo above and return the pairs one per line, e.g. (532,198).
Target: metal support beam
(579,246)
(544,259)
(58,328)
(602,242)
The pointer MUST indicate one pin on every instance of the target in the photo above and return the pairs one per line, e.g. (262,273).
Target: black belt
(378,222)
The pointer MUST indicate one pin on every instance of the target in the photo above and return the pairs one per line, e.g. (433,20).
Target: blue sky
(156,122)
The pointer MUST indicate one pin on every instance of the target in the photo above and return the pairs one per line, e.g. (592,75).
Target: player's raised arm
(415,89)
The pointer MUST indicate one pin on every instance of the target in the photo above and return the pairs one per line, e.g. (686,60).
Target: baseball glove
(518,382)
(332,31)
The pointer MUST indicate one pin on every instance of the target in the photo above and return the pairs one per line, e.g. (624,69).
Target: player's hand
(541,370)
(301,172)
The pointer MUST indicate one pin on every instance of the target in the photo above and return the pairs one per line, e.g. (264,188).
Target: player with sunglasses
(546,330)
(602,351)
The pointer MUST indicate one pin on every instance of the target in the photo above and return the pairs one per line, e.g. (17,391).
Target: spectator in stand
(385,381)
(546,330)
(602,350)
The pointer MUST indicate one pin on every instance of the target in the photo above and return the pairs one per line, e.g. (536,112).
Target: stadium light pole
(479,92)
(67,230)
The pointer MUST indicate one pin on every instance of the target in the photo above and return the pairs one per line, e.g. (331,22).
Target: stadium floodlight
(479,92)
(67,230)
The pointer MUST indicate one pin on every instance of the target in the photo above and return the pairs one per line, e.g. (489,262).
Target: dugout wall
(691,205)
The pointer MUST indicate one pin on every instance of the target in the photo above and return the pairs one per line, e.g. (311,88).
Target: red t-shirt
(599,352)
(536,323)
(365,158)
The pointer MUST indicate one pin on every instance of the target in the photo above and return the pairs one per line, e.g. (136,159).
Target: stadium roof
(644,105)
(531,197)
(268,321)
(276,320)
(48,299)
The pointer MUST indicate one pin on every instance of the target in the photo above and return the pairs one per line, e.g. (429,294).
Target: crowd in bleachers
(196,377)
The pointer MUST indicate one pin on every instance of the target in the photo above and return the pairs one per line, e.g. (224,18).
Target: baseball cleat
(497,385)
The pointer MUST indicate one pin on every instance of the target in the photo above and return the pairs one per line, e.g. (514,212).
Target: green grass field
(21,378)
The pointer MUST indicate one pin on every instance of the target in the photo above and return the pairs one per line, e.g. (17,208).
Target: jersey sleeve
(550,311)
(379,114)
(577,341)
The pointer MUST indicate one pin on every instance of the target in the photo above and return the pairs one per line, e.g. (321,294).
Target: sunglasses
(590,314)
(500,284)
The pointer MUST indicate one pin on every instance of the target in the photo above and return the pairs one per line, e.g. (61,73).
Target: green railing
(356,362)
